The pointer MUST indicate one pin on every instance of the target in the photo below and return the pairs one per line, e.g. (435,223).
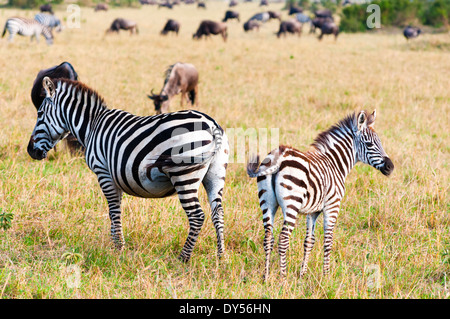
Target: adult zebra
(151,156)
(314,182)
(27,27)
(49,20)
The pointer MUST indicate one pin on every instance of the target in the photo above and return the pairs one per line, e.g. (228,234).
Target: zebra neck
(340,152)
(81,109)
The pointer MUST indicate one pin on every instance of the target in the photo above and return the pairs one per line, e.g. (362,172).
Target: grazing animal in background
(208,27)
(64,70)
(329,28)
(143,156)
(49,20)
(317,23)
(46,8)
(302,18)
(325,13)
(250,25)
(28,28)
(201,4)
(167,5)
(313,182)
(411,32)
(231,15)
(294,9)
(179,78)
(263,3)
(289,26)
(101,7)
(265,16)
(147,2)
(171,26)
(123,24)
(233,3)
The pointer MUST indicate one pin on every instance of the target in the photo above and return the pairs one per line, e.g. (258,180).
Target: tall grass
(392,236)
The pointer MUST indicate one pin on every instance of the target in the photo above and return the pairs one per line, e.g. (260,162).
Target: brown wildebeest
(325,13)
(64,70)
(179,78)
(317,23)
(208,27)
(46,8)
(294,9)
(171,25)
(231,15)
(291,26)
(250,25)
(329,28)
(123,24)
(101,7)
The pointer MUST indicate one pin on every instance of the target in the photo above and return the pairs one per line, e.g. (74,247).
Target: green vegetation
(397,13)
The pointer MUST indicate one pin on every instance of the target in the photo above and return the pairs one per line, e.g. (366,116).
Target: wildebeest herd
(323,20)
(160,155)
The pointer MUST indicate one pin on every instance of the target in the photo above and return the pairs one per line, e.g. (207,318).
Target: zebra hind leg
(309,240)
(214,183)
(187,190)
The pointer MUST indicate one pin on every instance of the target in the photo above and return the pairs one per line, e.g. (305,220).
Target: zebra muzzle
(34,152)
(388,167)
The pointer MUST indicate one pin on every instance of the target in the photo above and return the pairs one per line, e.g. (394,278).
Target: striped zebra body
(151,157)
(27,27)
(313,182)
(48,20)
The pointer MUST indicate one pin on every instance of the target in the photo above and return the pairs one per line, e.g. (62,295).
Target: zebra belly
(153,185)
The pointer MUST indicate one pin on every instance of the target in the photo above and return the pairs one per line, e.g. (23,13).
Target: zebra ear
(49,87)
(362,120)
(372,118)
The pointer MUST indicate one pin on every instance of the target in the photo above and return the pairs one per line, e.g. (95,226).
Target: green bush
(397,13)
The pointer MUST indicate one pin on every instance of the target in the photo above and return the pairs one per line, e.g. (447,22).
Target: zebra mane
(79,86)
(346,125)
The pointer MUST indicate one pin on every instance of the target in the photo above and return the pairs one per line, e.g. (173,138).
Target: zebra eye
(40,113)
(369,144)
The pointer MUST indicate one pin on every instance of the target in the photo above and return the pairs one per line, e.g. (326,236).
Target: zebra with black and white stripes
(313,182)
(27,27)
(144,156)
(49,20)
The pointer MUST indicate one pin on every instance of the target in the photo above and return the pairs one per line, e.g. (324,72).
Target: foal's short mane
(81,87)
(346,124)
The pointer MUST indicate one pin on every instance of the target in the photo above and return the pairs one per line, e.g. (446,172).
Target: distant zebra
(151,157)
(49,20)
(27,27)
(313,182)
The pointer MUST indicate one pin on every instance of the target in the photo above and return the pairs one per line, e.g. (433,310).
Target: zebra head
(49,129)
(368,147)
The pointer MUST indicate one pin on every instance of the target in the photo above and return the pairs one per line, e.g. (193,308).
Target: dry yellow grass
(395,229)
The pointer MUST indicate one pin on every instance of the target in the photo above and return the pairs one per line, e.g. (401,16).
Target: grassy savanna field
(392,236)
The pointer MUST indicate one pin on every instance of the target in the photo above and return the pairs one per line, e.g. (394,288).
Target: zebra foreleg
(309,240)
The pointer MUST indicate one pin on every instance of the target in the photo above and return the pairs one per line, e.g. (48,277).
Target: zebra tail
(253,166)
(4,30)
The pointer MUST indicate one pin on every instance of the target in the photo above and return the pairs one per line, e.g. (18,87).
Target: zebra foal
(27,27)
(313,182)
(144,156)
